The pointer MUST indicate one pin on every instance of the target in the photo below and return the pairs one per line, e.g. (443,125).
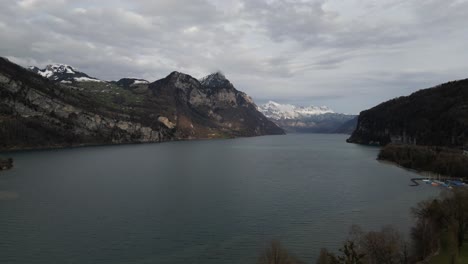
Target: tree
(448,216)
(277,254)
(426,233)
(325,257)
(350,255)
(456,204)
(383,247)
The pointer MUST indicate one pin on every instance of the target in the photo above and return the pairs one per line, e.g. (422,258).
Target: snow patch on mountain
(63,73)
(130,82)
(86,79)
(140,82)
(277,111)
(52,69)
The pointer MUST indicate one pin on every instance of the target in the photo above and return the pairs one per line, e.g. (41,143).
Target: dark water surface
(217,201)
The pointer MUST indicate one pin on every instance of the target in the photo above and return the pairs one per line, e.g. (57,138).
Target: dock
(442,182)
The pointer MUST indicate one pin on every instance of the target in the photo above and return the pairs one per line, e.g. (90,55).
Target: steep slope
(348,127)
(129,83)
(210,108)
(437,116)
(36,112)
(299,119)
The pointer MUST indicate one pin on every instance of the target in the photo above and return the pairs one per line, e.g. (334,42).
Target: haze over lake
(219,201)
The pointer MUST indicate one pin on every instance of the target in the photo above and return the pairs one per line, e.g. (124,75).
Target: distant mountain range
(311,119)
(60,106)
(279,111)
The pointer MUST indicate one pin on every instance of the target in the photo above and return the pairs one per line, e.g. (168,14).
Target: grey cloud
(289,50)
(308,23)
(284,19)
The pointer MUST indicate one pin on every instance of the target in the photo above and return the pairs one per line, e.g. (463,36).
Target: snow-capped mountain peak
(214,80)
(53,69)
(279,111)
(63,73)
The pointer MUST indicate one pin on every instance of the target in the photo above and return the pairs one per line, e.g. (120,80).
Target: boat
(456,183)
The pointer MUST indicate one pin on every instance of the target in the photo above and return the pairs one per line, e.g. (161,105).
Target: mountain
(40,111)
(63,73)
(205,109)
(436,116)
(299,119)
(347,127)
(130,82)
(215,80)
(278,111)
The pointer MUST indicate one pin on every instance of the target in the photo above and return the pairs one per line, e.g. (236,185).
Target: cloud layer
(349,55)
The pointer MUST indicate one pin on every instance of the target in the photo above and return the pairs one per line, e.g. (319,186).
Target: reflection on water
(217,201)
(6,195)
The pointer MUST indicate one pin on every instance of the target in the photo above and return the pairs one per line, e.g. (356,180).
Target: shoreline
(447,151)
(422,173)
(86,145)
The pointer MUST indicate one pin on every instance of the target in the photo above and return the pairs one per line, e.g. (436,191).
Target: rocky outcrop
(435,117)
(6,164)
(166,122)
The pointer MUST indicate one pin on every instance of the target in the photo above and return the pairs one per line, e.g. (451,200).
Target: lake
(217,201)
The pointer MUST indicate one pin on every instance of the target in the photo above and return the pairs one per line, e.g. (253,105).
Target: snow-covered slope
(276,111)
(63,73)
(214,80)
(311,119)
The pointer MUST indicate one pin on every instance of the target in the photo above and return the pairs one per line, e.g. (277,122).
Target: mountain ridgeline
(436,116)
(59,106)
(311,119)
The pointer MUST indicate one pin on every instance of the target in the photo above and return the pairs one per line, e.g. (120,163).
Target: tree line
(445,161)
(441,225)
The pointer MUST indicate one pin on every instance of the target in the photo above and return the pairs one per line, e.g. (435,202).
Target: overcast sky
(347,54)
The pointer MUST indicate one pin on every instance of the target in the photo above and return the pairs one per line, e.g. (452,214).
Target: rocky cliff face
(36,112)
(437,116)
(210,108)
(6,164)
